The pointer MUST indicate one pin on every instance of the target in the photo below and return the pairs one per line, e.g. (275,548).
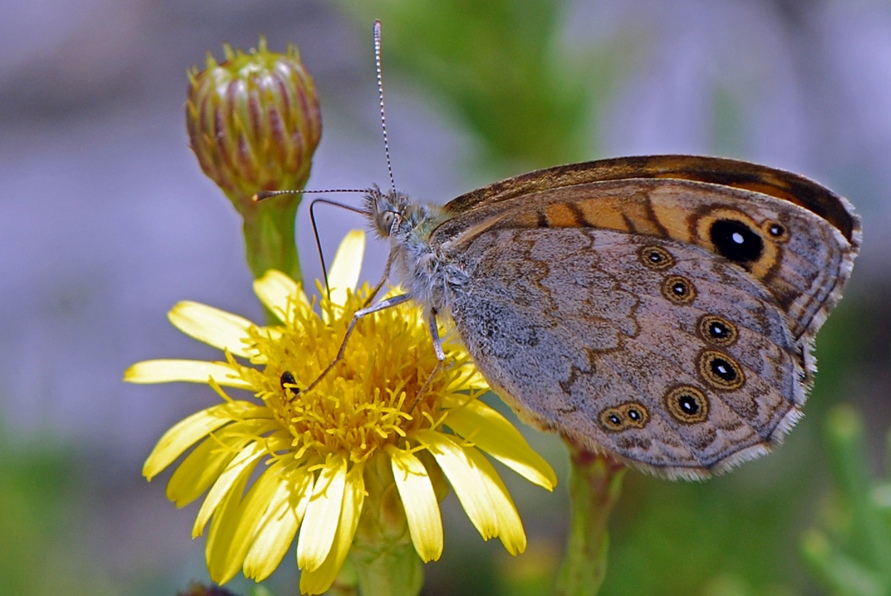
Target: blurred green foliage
(40,496)
(851,551)
(501,68)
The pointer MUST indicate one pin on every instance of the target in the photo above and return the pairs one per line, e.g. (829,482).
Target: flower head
(254,122)
(375,422)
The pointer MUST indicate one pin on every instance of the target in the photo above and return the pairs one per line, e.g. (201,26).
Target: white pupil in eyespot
(737,238)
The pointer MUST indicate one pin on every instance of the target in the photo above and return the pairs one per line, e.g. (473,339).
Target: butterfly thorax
(424,273)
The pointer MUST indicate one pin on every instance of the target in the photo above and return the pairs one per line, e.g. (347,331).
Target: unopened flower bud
(254,122)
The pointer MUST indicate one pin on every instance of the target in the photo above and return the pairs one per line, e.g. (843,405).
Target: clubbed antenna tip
(380,95)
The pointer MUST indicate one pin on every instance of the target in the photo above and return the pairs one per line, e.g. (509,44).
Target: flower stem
(383,555)
(396,571)
(269,238)
(594,487)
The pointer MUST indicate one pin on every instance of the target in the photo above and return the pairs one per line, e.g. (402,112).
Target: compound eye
(388,219)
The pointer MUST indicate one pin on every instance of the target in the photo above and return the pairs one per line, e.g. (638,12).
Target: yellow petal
(201,468)
(470,378)
(225,520)
(465,478)
(319,580)
(347,264)
(212,326)
(190,430)
(280,294)
(510,527)
(232,529)
(189,371)
(419,502)
(240,466)
(278,526)
(491,432)
(322,515)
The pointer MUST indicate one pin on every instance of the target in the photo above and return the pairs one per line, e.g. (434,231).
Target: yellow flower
(323,449)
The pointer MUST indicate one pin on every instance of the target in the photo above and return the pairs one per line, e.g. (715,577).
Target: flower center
(377,394)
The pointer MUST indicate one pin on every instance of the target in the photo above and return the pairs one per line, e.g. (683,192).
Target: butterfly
(660,309)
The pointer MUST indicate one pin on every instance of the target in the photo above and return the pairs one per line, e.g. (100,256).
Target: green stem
(396,571)
(594,487)
(269,237)
(383,556)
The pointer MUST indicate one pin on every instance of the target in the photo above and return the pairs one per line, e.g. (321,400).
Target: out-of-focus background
(107,221)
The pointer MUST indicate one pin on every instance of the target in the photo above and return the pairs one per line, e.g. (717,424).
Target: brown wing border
(733,173)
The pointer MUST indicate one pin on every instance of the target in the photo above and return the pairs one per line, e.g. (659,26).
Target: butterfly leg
(383,304)
(384,278)
(440,355)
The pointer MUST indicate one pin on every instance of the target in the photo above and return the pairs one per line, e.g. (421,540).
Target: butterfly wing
(649,349)
(726,173)
(795,236)
(588,294)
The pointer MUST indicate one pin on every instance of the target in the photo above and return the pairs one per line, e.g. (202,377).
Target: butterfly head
(393,213)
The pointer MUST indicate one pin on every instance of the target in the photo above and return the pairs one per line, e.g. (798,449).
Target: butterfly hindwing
(592,333)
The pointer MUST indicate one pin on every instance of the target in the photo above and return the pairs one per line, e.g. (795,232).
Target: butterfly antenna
(380,96)
(267,194)
(315,233)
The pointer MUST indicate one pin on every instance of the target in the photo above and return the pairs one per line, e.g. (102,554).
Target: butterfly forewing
(728,173)
(801,258)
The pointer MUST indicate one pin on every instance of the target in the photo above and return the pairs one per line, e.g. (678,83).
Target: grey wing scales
(652,350)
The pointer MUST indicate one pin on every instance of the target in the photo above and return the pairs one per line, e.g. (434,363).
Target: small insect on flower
(328,450)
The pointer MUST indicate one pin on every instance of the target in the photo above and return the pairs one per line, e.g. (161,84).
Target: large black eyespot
(289,383)
(687,404)
(655,257)
(717,330)
(736,241)
(720,370)
(678,289)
